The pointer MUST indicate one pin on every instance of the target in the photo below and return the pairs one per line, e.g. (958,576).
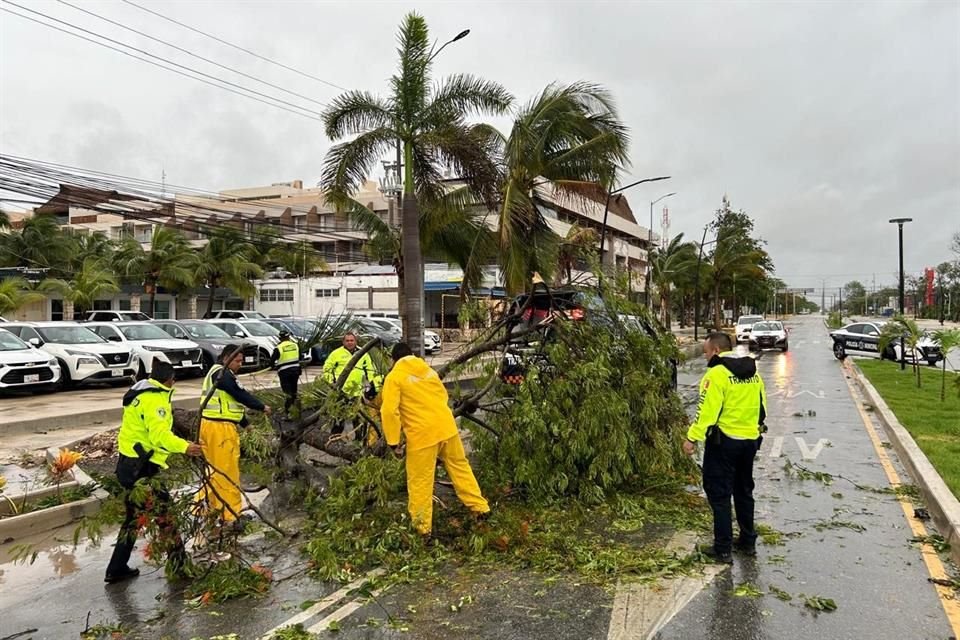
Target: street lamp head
(460,36)
(900,220)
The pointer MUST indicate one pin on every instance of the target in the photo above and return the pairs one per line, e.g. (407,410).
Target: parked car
(744,326)
(567,305)
(769,334)
(431,339)
(149,342)
(256,331)
(116,316)
(230,314)
(863,339)
(212,340)
(2,319)
(23,367)
(84,356)
(302,330)
(370,327)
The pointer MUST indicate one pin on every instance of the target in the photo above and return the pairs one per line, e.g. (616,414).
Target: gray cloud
(822,120)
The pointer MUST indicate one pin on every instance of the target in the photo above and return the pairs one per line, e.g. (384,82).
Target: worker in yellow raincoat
(415,401)
(224,413)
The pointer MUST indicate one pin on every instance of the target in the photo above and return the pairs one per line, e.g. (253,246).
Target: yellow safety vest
(221,406)
(289,354)
(148,421)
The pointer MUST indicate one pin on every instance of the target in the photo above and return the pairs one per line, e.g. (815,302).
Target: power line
(305,112)
(230,44)
(191,53)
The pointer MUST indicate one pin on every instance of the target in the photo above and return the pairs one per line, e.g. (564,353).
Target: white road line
(341,613)
(326,603)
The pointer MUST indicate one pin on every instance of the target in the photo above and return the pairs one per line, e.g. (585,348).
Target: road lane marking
(323,604)
(343,612)
(930,558)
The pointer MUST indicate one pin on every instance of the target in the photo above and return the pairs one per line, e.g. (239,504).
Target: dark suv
(212,340)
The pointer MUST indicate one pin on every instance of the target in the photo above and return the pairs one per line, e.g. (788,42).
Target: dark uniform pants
(289,378)
(728,471)
(129,470)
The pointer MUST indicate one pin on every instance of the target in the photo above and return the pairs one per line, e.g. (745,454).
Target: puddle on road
(56,559)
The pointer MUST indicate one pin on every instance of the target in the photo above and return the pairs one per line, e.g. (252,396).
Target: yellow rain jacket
(364,368)
(732,396)
(414,396)
(148,420)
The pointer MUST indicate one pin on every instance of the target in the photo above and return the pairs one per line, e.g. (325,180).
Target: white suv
(150,342)
(116,316)
(229,314)
(744,325)
(22,367)
(84,356)
(265,336)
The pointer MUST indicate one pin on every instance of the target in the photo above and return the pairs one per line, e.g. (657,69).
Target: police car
(863,339)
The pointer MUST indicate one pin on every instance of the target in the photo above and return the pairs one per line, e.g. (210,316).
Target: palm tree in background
(570,139)
(579,243)
(89,245)
(15,293)
(93,281)
(39,243)
(430,123)
(668,268)
(169,262)
(911,333)
(948,339)
(227,261)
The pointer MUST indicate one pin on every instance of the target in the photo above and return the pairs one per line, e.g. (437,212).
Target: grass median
(934,425)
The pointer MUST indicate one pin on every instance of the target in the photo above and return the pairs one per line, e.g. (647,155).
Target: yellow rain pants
(421,464)
(221,449)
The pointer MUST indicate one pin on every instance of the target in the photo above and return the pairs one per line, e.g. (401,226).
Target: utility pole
(900,222)
(823,297)
(841,303)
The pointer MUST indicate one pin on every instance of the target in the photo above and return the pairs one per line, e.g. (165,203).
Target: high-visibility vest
(221,406)
(289,355)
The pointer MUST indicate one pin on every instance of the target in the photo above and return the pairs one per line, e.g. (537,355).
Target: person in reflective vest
(363,377)
(286,358)
(730,422)
(223,414)
(145,441)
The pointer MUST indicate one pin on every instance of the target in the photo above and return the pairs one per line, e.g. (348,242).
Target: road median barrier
(943,506)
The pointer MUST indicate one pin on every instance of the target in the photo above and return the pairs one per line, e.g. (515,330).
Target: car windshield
(768,326)
(143,332)
(134,315)
(10,342)
(749,320)
(204,330)
(259,329)
(69,335)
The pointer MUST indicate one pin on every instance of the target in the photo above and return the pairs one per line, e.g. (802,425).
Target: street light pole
(650,244)
(606,211)
(900,222)
(696,284)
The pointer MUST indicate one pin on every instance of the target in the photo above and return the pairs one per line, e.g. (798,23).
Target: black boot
(722,557)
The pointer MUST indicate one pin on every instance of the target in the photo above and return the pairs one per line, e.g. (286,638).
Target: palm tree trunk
(716,305)
(412,258)
(213,290)
(665,308)
(943,380)
(153,298)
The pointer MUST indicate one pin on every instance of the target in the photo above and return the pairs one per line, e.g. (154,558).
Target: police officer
(145,442)
(286,358)
(730,418)
(223,414)
(362,378)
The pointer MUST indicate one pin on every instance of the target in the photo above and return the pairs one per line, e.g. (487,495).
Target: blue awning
(441,286)
(494,292)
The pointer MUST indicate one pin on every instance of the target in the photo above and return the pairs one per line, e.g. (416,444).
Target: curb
(17,527)
(943,505)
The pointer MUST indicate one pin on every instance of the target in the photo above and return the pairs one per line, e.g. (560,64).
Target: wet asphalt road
(878,581)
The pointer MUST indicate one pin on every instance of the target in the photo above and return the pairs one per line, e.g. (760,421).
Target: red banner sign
(928,273)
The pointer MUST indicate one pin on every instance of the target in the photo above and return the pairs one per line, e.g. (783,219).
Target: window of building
(327,293)
(300,222)
(56,310)
(101,305)
(276,295)
(161,309)
(125,304)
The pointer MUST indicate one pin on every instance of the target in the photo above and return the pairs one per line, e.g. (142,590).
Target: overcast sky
(821,119)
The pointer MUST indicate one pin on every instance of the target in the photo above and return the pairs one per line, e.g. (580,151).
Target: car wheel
(786,347)
(932,362)
(206,362)
(838,351)
(141,372)
(65,381)
(263,357)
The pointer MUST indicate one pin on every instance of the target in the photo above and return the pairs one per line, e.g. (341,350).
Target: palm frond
(464,95)
(354,112)
(410,85)
(347,165)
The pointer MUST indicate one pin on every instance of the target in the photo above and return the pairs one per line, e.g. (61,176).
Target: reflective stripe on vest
(289,354)
(221,405)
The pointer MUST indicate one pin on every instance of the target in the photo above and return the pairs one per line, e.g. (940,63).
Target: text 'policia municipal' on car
(863,338)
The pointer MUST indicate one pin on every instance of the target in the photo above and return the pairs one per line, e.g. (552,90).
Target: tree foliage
(16,293)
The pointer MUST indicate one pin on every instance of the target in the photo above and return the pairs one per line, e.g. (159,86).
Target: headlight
(145,348)
(53,363)
(86,358)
